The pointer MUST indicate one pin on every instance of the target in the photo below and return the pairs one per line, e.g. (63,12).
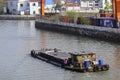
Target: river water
(18,38)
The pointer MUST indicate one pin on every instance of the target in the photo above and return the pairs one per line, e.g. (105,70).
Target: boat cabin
(82,59)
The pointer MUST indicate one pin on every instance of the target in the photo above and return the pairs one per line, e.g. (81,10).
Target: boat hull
(60,63)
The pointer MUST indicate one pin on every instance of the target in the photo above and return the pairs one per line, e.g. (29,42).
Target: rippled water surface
(17,38)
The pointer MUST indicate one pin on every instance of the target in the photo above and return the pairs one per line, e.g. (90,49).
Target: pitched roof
(72,4)
(35,0)
(12,0)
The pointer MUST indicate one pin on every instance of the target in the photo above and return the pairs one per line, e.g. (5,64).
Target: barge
(74,61)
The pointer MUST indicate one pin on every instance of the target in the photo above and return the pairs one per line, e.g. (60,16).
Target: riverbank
(102,33)
(17,17)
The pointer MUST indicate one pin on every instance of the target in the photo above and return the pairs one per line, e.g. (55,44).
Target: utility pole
(116,9)
(42,7)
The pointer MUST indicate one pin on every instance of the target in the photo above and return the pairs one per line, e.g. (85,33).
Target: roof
(12,0)
(72,4)
(80,54)
(17,0)
(35,0)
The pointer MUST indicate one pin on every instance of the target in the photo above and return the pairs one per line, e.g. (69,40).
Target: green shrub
(103,11)
(84,21)
(1,10)
(86,14)
(71,15)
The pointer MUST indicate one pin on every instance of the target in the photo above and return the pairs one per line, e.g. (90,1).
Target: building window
(33,12)
(96,5)
(90,5)
(11,4)
(96,1)
(14,10)
(21,5)
(28,5)
(38,3)
(33,4)
(67,0)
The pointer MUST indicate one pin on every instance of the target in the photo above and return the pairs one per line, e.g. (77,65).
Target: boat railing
(47,50)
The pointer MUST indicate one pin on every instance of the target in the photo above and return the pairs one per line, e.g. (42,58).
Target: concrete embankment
(102,33)
(17,17)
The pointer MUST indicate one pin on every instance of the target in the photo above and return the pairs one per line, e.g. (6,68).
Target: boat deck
(59,54)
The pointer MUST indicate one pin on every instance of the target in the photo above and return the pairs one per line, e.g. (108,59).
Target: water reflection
(43,40)
(117,57)
(29,30)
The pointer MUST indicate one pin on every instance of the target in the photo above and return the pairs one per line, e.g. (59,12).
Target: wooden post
(42,7)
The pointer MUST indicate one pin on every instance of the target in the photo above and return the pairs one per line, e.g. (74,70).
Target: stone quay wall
(17,17)
(102,33)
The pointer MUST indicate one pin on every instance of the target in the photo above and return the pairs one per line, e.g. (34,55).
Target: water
(18,38)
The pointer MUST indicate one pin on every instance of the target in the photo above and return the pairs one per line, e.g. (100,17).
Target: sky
(48,2)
